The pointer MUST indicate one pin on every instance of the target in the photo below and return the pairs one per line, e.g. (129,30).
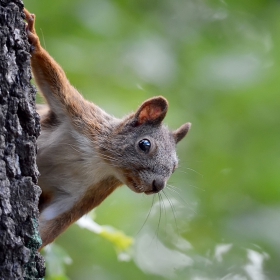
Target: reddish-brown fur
(92,198)
(84,154)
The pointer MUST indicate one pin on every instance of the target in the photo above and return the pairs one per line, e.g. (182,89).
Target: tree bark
(19,129)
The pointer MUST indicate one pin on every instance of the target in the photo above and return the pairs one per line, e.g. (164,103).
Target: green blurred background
(217,62)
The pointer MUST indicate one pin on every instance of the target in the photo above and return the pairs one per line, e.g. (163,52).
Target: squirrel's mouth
(138,188)
(149,192)
(156,186)
(134,186)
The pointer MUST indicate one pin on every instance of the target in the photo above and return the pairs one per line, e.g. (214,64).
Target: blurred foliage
(217,62)
(56,261)
(121,242)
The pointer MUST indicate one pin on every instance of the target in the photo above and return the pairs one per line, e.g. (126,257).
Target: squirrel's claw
(30,29)
(30,18)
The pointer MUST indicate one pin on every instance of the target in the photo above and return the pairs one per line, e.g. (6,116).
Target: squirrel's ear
(181,132)
(152,111)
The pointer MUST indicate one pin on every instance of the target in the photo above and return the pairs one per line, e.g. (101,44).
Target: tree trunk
(19,129)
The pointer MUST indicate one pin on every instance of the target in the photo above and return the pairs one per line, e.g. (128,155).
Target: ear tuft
(152,111)
(181,132)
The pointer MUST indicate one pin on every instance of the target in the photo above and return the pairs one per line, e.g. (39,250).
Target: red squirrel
(84,154)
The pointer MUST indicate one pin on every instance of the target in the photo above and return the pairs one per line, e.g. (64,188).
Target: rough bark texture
(19,129)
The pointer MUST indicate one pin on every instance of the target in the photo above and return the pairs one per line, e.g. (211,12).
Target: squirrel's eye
(144,145)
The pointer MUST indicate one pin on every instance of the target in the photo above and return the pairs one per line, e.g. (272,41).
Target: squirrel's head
(141,150)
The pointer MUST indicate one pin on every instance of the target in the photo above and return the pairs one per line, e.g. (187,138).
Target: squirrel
(84,153)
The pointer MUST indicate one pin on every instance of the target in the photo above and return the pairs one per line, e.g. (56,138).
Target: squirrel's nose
(158,185)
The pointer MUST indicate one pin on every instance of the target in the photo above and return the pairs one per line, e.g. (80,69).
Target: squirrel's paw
(30,30)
